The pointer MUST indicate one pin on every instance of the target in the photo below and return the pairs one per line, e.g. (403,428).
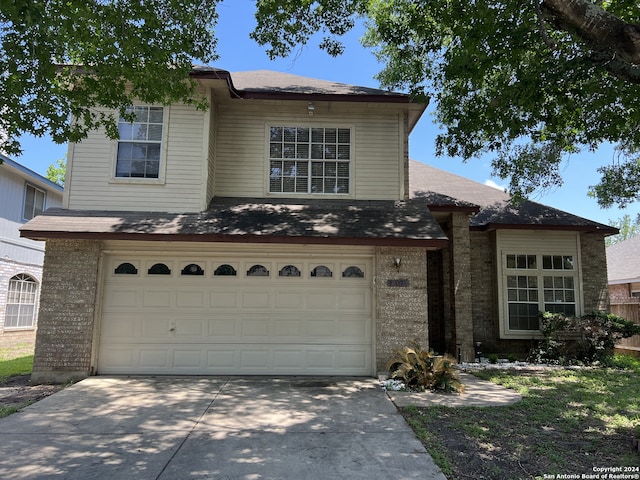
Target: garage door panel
(256,299)
(118,358)
(352,328)
(222,359)
(223,298)
(288,359)
(322,300)
(190,299)
(190,327)
(288,328)
(354,300)
(187,359)
(254,359)
(154,358)
(222,327)
(123,299)
(120,327)
(157,299)
(210,324)
(157,328)
(293,300)
(254,327)
(324,328)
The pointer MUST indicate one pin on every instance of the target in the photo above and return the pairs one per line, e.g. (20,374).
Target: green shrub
(493,358)
(587,339)
(420,369)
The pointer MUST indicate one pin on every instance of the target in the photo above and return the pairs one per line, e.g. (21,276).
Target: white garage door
(229,315)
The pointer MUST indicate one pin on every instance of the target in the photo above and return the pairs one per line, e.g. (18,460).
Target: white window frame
(556,245)
(309,160)
(23,295)
(163,152)
(26,216)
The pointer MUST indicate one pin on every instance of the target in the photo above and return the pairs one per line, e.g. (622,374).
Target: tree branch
(592,23)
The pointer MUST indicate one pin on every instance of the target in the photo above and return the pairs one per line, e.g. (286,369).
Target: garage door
(255,314)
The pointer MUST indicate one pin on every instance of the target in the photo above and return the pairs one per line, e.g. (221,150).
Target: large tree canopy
(62,59)
(525,82)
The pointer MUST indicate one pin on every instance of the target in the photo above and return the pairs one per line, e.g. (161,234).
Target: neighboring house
(279,233)
(23,195)
(623,268)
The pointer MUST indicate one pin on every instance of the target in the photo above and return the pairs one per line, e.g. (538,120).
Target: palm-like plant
(420,369)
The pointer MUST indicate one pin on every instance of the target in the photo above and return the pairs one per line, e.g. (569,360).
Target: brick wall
(486,328)
(401,299)
(9,269)
(621,290)
(460,284)
(65,330)
(594,273)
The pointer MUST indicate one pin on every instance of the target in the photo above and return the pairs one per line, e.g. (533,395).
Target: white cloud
(491,183)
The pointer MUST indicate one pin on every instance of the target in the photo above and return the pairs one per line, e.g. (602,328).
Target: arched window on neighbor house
(21,302)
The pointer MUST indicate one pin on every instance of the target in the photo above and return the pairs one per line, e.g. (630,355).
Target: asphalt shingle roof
(257,220)
(435,186)
(271,81)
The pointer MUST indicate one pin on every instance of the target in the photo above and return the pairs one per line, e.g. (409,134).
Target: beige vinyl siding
(93,187)
(241,149)
(211,160)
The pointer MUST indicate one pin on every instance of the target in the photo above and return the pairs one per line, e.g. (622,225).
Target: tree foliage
(63,59)
(628,228)
(527,83)
(57,171)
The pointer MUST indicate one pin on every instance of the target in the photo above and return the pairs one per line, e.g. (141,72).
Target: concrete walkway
(477,393)
(213,428)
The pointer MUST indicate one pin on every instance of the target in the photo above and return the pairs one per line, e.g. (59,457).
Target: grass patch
(568,422)
(16,360)
(15,366)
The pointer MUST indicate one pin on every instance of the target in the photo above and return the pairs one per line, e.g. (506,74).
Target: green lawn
(16,360)
(569,422)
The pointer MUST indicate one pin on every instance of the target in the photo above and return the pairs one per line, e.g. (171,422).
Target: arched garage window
(21,302)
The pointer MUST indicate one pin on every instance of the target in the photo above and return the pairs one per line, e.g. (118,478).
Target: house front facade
(23,195)
(278,233)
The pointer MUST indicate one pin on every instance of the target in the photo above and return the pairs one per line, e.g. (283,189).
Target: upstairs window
(309,160)
(140,144)
(34,199)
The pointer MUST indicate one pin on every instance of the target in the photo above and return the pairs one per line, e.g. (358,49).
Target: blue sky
(358,66)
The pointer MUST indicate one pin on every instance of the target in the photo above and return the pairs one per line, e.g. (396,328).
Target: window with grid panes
(309,160)
(140,143)
(21,302)
(538,283)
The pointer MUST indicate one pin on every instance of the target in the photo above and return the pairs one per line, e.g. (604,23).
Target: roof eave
(600,229)
(433,243)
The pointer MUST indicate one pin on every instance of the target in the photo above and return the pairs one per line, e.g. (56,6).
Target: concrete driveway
(213,428)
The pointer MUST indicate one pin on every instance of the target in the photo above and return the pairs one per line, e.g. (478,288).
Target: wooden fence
(627,308)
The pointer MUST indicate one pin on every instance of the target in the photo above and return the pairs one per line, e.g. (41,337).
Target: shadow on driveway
(213,428)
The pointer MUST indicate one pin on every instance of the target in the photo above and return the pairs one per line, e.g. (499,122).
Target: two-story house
(23,195)
(278,233)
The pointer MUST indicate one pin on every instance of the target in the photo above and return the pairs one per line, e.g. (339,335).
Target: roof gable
(495,209)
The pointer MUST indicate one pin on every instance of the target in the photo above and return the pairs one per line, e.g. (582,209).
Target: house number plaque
(398,282)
